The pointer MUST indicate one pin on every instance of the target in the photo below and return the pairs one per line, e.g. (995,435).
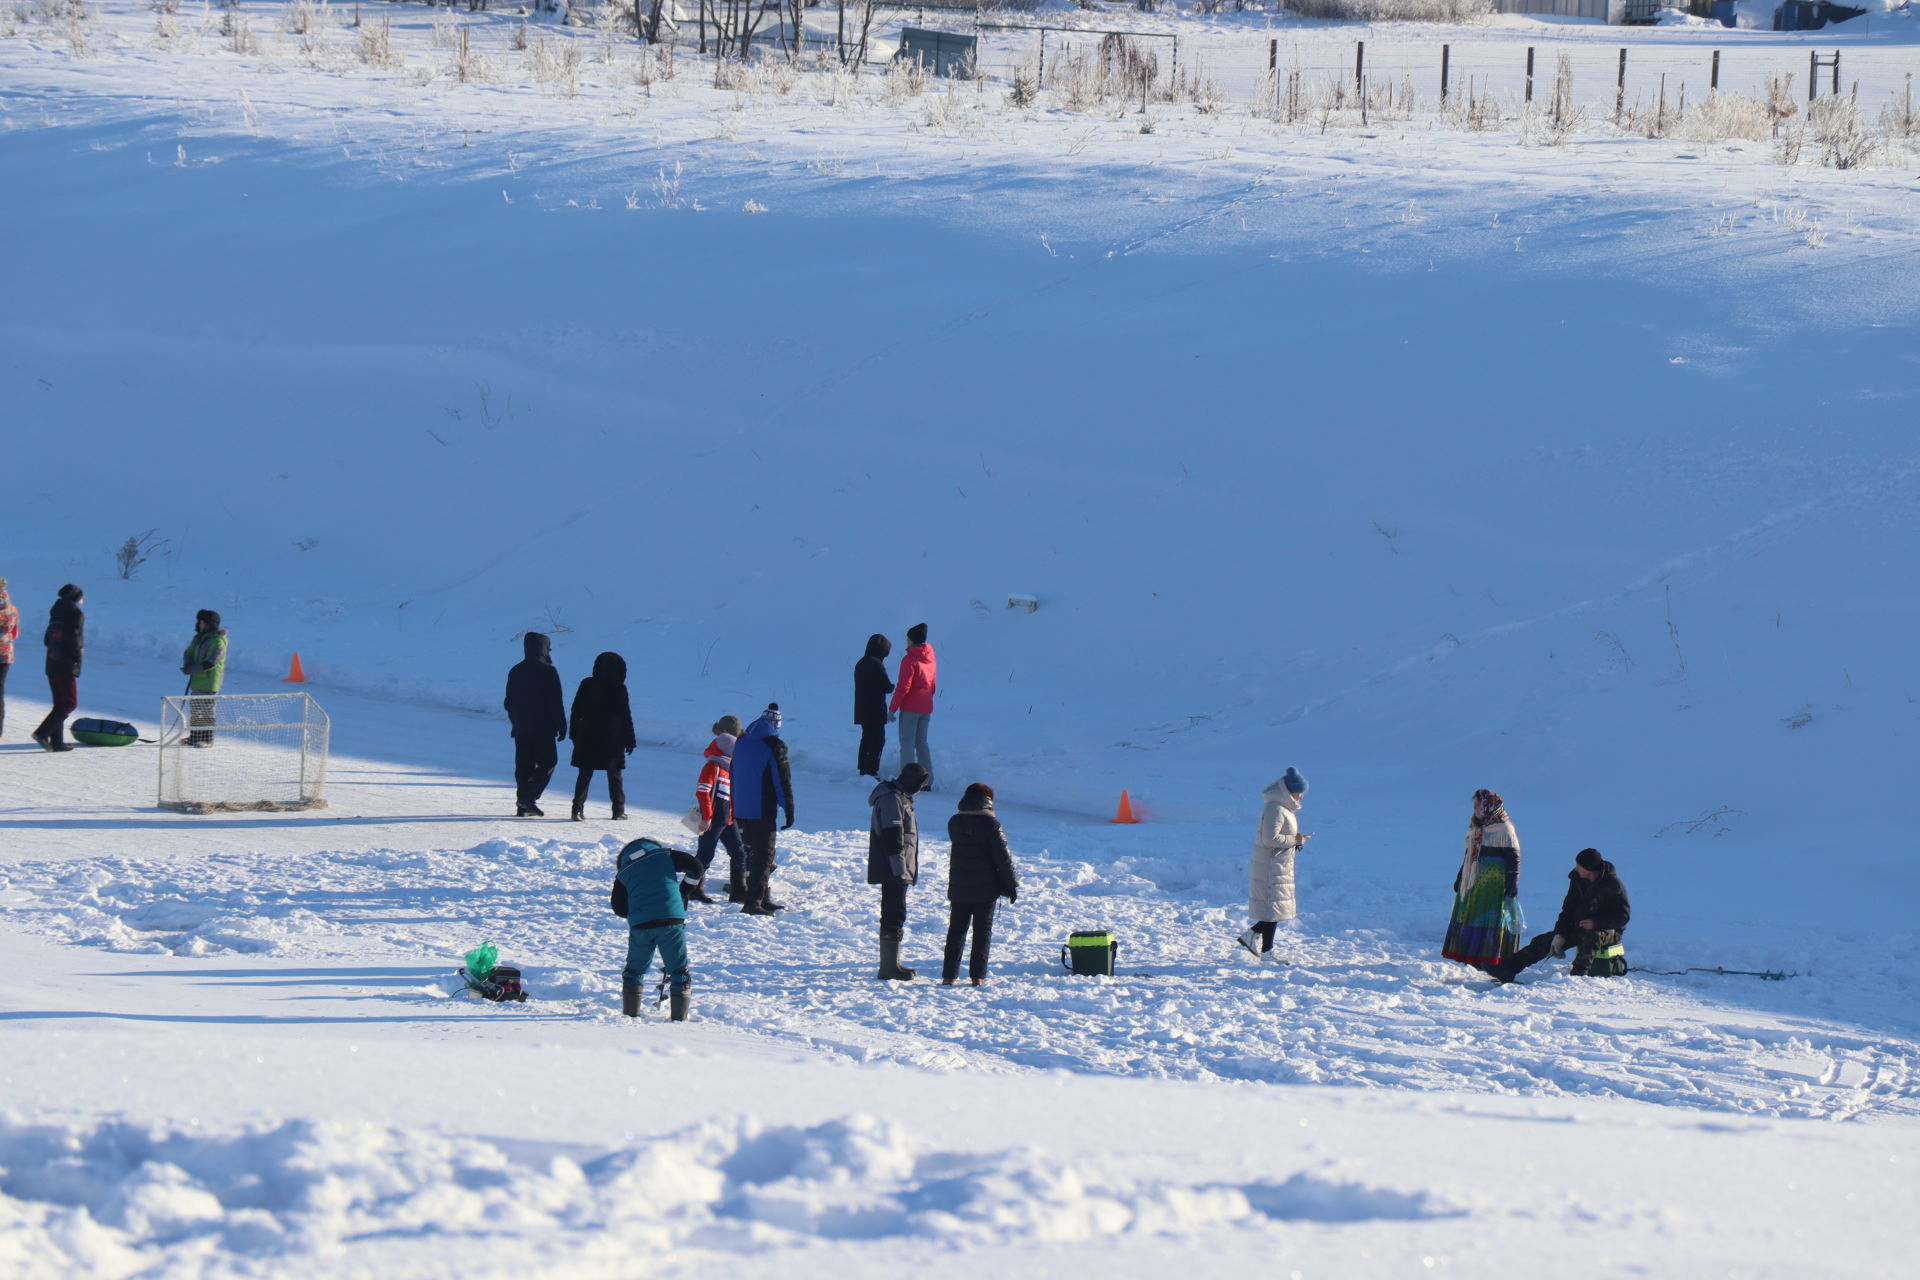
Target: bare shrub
(376,44)
(302,17)
(136,551)
(905,78)
(1474,110)
(239,34)
(1779,103)
(555,65)
(1845,142)
(468,65)
(1897,119)
(1727,115)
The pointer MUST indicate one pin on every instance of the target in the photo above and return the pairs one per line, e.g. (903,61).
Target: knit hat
(977,793)
(1294,783)
(912,778)
(1590,860)
(209,617)
(71,592)
(729,725)
(725,742)
(772,714)
(917,633)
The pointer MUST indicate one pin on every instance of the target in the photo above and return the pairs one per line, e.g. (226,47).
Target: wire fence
(1597,75)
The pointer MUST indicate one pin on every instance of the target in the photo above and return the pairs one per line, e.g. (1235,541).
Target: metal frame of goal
(235,752)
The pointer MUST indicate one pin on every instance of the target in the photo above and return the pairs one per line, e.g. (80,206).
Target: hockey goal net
(232,752)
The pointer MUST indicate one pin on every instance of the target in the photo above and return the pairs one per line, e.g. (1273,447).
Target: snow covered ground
(1421,459)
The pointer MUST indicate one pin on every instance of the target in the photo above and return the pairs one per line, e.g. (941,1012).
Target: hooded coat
(205,660)
(535,706)
(66,637)
(1602,900)
(870,683)
(762,779)
(1270,879)
(602,726)
(980,867)
(10,628)
(893,838)
(919,670)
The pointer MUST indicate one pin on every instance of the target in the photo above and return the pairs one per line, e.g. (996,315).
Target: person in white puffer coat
(1270,874)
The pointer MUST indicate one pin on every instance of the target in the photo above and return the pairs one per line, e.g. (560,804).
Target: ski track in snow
(1368,1007)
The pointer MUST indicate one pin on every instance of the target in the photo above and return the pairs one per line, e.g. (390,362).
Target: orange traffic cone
(295,675)
(1125,816)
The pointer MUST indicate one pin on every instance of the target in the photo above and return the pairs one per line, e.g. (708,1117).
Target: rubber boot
(680,1003)
(629,997)
(890,966)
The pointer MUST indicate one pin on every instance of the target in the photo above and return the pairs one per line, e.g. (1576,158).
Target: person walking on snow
(979,873)
(893,862)
(1486,910)
(1592,918)
(1270,877)
(204,664)
(649,893)
(602,730)
(763,787)
(870,690)
(913,700)
(537,710)
(66,643)
(713,792)
(9,632)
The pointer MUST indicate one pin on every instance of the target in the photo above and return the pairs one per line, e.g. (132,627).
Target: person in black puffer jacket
(1592,918)
(66,642)
(602,730)
(979,873)
(871,686)
(538,714)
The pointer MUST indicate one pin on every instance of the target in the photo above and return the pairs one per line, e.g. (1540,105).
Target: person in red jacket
(9,630)
(714,793)
(913,701)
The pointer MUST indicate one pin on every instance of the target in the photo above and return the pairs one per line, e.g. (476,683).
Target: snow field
(121,1199)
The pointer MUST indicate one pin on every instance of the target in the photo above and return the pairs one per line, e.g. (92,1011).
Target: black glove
(788,822)
(1012,898)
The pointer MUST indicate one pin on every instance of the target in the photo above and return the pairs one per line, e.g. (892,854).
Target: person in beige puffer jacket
(1270,880)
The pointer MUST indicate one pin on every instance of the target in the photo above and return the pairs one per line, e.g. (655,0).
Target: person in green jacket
(205,666)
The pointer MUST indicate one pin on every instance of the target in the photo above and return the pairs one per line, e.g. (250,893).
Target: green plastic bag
(480,961)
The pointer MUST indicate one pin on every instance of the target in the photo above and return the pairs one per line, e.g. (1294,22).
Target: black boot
(629,997)
(890,966)
(680,1003)
(579,810)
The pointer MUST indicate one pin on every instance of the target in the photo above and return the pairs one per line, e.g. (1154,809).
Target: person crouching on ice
(893,862)
(647,890)
(1591,921)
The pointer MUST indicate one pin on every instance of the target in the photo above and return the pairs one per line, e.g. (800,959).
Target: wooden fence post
(1714,82)
(1529,73)
(1813,74)
(1359,62)
(1445,52)
(1273,54)
(1620,88)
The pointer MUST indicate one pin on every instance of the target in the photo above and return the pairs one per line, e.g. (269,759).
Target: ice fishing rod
(1769,975)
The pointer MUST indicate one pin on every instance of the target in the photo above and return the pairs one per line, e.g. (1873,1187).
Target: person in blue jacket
(648,892)
(762,787)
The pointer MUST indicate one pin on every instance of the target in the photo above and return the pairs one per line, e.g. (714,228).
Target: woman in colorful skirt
(1486,910)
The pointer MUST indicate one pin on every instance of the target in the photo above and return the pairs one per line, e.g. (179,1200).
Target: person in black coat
(871,685)
(893,862)
(602,731)
(66,642)
(1592,918)
(537,711)
(979,873)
